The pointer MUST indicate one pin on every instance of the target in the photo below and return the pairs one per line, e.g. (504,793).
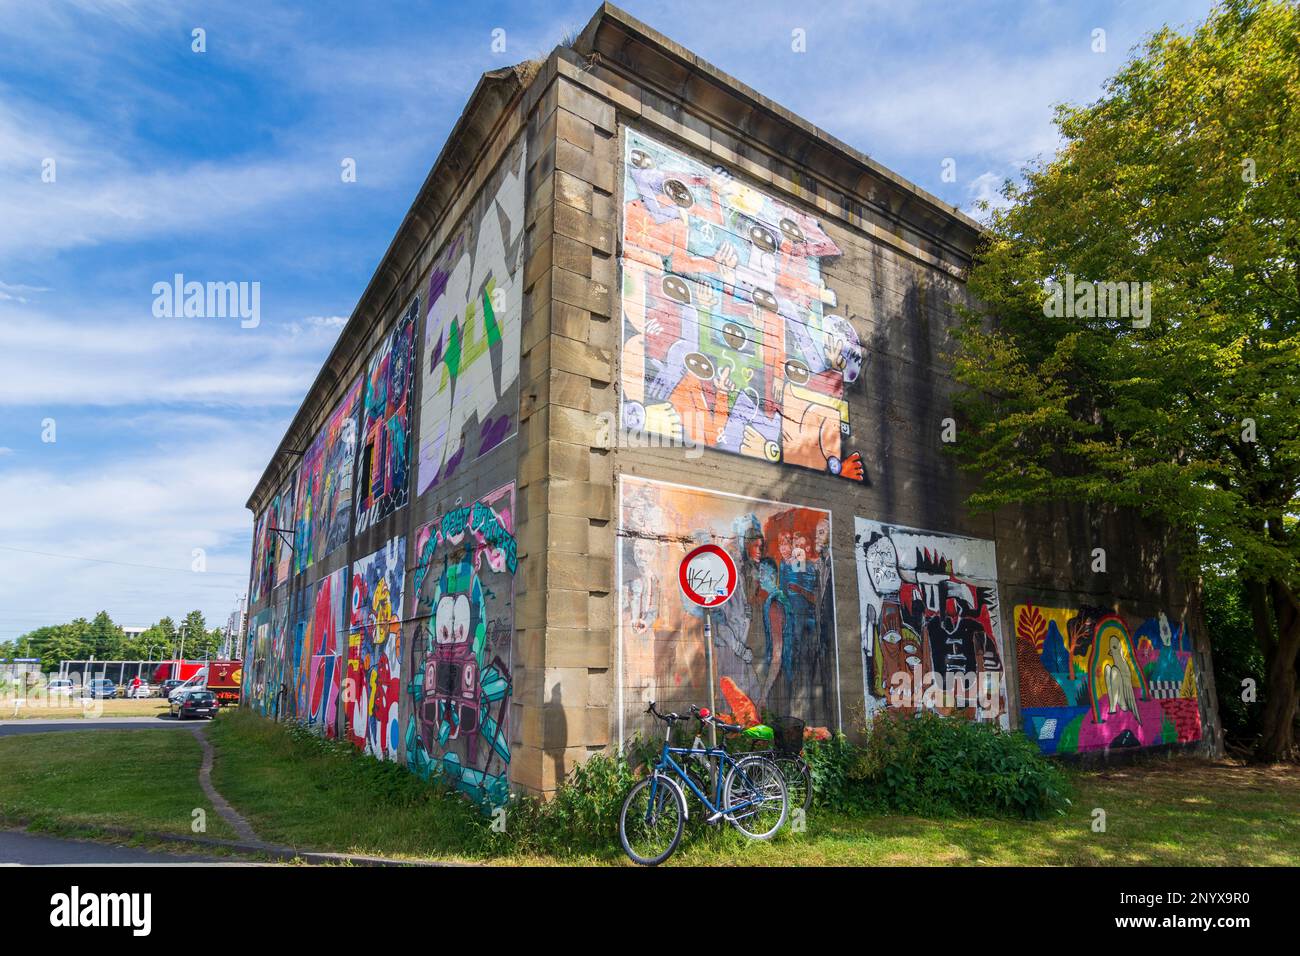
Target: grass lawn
(59,709)
(128,778)
(297,792)
(1193,813)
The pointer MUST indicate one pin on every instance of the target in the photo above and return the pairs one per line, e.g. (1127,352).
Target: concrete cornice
(496,92)
(619,41)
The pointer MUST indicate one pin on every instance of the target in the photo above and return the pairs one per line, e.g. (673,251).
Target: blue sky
(225,166)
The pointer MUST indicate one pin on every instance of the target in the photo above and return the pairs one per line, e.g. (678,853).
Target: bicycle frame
(667,765)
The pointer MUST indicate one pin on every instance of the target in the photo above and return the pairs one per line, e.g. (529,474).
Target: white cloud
(987,188)
(107,360)
(150,508)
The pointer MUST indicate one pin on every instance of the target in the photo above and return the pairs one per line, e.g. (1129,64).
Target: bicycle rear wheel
(798,780)
(756,787)
(650,823)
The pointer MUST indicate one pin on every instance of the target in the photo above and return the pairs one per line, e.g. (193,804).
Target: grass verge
(1170,812)
(41,709)
(142,779)
(323,796)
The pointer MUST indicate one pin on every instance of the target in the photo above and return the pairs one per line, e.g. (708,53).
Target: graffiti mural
(1089,683)
(294,670)
(382,457)
(729,338)
(321,670)
(470,355)
(325,485)
(374,667)
(280,532)
(263,559)
(256,661)
(773,643)
(930,625)
(460,679)
(277,690)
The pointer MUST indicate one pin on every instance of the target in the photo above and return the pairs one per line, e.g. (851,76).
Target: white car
(140,691)
(60,687)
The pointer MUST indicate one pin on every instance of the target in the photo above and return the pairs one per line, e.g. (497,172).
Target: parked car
(101,687)
(61,687)
(194,703)
(137,691)
(166,687)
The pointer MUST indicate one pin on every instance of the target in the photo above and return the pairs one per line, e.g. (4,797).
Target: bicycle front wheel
(755,797)
(650,823)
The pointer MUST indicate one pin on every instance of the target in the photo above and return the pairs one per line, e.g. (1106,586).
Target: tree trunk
(1278,740)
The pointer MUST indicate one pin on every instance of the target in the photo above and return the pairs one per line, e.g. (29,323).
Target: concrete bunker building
(637,306)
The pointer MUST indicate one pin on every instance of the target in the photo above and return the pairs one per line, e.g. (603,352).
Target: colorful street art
(470,355)
(460,680)
(383,456)
(372,690)
(277,690)
(773,642)
(256,661)
(280,531)
(728,335)
(325,485)
(930,624)
(319,675)
(1087,683)
(263,559)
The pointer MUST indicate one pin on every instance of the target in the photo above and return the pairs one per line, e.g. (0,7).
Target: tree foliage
(103,639)
(1185,174)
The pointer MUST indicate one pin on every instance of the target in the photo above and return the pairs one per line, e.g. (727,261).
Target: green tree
(1184,174)
(167,634)
(194,630)
(58,643)
(107,639)
(1238,662)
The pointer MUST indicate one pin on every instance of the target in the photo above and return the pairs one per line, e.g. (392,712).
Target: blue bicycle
(748,792)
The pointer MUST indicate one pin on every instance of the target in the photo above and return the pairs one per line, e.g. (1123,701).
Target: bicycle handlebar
(698,712)
(667,718)
(703,714)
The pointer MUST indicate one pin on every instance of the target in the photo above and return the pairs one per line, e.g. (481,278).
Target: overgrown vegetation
(1239,666)
(930,767)
(936,766)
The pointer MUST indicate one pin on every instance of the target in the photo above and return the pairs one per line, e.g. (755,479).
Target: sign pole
(708,653)
(708,578)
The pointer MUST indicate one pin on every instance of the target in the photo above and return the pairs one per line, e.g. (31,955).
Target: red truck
(180,670)
(224,679)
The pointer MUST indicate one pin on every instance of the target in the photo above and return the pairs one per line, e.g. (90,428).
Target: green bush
(581,816)
(838,774)
(945,766)
(1236,654)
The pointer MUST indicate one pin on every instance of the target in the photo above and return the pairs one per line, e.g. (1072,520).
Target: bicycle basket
(787,734)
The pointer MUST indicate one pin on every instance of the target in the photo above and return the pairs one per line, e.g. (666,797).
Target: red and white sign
(708,576)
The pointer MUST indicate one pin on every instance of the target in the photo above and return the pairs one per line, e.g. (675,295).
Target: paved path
(222,805)
(33,849)
(9,728)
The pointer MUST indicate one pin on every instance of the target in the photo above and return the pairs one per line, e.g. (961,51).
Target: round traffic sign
(708,576)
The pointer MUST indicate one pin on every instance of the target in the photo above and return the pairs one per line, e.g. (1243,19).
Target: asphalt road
(9,728)
(30,849)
